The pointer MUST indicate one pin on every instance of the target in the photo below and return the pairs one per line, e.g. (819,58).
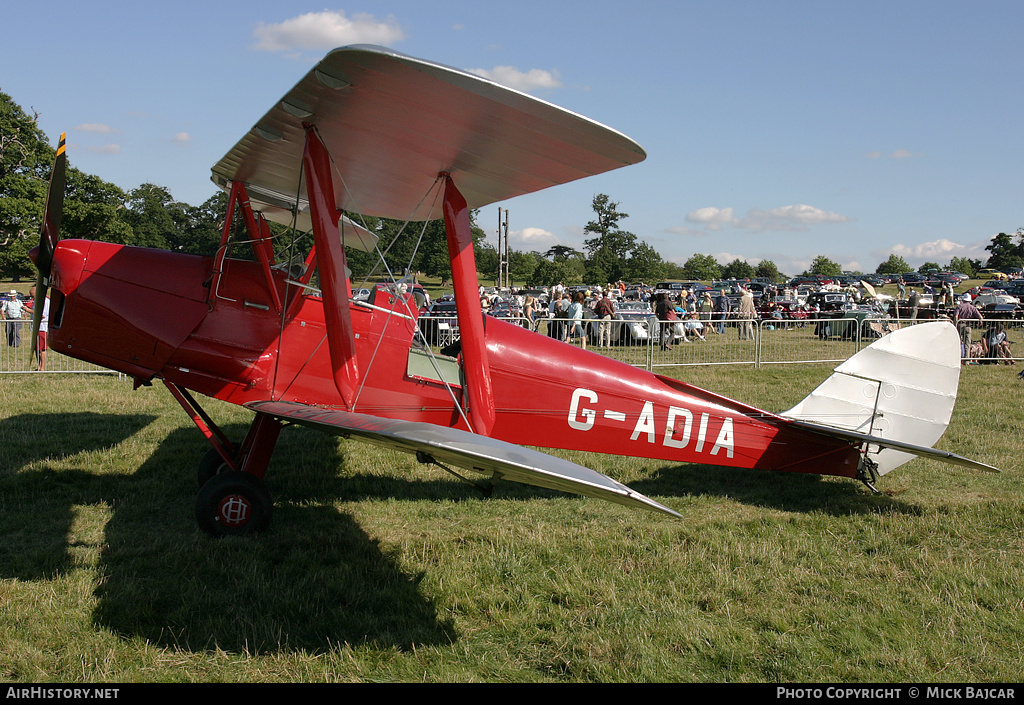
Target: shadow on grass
(37,501)
(787,491)
(29,438)
(314,581)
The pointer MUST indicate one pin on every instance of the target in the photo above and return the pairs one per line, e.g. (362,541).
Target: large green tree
(201,231)
(154,216)
(894,265)
(1006,250)
(738,269)
(610,246)
(644,265)
(558,253)
(766,269)
(964,265)
(569,271)
(702,268)
(823,265)
(25,159)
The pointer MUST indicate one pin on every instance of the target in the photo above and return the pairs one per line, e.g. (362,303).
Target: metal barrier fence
(768,342)
(16,353)
(813,340)
(646,343)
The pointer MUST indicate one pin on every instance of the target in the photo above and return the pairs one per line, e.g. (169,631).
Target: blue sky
(774,129)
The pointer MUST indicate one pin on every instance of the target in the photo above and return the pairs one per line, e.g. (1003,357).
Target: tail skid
(895,397)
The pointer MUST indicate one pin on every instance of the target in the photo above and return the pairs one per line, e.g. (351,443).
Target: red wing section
(466,450)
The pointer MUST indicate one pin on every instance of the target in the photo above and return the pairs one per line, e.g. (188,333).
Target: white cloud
(98,128)
(728,257)
(940,251)
(534,79)
(712,218)
(532,239)
(796,217)
(326,30)
(183,138)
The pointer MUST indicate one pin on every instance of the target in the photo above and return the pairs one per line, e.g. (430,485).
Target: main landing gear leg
(235,502)
(232,498)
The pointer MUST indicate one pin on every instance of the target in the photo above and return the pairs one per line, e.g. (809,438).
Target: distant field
(381,569)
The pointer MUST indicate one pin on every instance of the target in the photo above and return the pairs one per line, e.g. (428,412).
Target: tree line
(149,216)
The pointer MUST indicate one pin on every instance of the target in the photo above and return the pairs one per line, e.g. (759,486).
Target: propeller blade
(48,239)
(54,210)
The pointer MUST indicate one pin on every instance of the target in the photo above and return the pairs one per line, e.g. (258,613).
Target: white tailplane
(895,396)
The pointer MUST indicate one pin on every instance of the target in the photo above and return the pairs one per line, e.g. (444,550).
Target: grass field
(380,569)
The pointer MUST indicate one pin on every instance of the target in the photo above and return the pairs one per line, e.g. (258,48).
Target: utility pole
(504,273)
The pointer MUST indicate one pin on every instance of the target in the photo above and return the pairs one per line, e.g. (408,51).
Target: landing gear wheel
(233,503)
(211,464)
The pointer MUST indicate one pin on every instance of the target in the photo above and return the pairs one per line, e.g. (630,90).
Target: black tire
(209,465)
(233,503)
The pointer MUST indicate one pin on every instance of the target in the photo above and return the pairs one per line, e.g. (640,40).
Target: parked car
(504,309)
(829,300)
(987,298)
(635,323)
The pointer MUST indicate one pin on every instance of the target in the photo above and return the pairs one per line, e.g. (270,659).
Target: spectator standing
(575,315)
(915,301)
(12,311)
(746,315)
(722,308)
(529,311)
(665,310)
(965,313)
(706,306)
(605,312)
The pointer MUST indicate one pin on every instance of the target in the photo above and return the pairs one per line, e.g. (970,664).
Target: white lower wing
(465,450)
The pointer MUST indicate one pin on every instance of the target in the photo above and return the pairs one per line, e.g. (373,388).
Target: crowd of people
(690,314)
(684,316)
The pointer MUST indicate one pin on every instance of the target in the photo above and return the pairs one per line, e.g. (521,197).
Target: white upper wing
(392,123)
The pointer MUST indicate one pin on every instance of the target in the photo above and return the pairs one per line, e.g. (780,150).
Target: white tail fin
(901,388)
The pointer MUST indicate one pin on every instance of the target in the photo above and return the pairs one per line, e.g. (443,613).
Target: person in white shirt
(12,310)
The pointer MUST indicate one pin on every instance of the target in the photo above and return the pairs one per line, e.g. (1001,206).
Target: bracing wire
(398,300)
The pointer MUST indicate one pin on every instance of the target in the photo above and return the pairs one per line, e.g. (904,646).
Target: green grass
(381,569)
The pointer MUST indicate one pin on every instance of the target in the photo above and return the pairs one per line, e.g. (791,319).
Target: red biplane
(374,132)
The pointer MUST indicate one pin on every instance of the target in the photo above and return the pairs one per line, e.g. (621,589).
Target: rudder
(901,387)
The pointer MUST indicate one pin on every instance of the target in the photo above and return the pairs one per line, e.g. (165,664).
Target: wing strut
(334,282)
(467,304)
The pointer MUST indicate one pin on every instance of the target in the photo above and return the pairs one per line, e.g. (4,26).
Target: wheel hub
(234,510)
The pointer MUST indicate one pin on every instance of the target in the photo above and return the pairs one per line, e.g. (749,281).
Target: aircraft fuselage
(224,334)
